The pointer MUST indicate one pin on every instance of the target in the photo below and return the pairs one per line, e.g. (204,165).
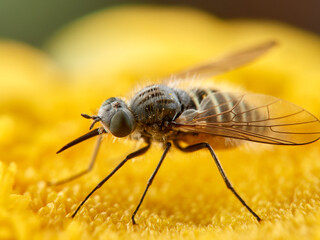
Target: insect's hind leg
(198,146)
(89,168)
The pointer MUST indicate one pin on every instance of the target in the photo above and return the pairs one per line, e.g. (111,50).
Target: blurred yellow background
(107,54)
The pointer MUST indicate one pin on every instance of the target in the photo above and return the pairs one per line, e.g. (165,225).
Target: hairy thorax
(154,108)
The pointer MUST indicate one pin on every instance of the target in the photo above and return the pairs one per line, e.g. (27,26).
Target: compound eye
(121,124)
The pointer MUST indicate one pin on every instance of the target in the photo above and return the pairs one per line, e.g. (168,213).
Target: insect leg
(89,168)
(150,181)
(130,156)
(199,146)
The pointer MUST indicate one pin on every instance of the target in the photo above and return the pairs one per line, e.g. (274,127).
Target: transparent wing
(225,63)
(252,117)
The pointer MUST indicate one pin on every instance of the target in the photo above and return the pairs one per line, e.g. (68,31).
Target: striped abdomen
(218,118)
(222,107)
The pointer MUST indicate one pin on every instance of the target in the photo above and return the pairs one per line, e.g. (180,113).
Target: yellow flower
(106,54)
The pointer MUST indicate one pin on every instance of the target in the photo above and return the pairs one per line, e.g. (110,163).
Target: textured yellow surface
(106,54)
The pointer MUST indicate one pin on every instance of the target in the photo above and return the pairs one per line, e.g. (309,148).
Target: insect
(200,118)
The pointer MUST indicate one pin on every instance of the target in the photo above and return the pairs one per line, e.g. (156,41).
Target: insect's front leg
(130,156)
(89,168)
(198,146)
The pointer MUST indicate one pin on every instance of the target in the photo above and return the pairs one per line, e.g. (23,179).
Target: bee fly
(201,118)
